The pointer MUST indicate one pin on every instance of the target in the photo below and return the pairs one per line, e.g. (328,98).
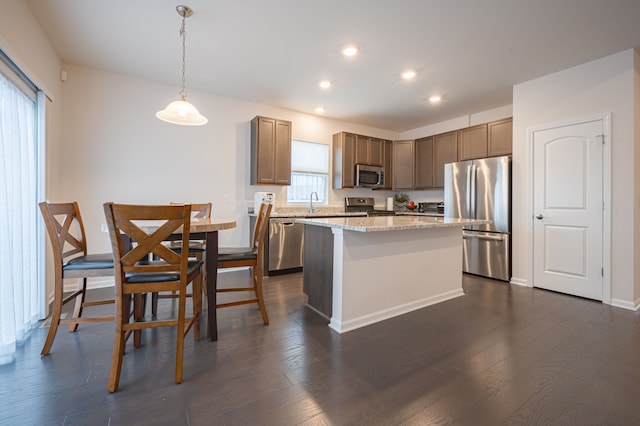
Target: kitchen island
(361,270)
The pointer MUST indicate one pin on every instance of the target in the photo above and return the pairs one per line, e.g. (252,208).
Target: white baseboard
(519,281)
(317,311)
(625,304)
(352,324)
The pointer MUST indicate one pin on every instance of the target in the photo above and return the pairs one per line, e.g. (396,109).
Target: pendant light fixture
(182,112)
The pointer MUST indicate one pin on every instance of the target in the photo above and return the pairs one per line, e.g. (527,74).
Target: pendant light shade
(182,112)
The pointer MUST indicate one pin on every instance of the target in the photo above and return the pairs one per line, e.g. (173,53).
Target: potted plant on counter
(400,199)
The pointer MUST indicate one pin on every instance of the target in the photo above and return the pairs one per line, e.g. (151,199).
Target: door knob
(539,217)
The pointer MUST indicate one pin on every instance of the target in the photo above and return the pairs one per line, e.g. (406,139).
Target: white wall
(22,39)
(601,86)
(115,149)
(104,142)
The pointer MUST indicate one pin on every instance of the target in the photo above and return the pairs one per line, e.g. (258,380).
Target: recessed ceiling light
(320,110)
(409,74)
(350,51)
(434,99)
(325,84)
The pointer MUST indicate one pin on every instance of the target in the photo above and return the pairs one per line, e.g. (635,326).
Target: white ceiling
(275,51)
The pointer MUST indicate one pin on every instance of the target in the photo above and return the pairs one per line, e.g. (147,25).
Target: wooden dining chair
(233,257)
(71,261)
(196,250)
(143,264)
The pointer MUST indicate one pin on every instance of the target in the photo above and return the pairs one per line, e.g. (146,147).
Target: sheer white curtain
(20,289)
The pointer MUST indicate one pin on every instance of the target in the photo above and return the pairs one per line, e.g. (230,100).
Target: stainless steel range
(364,204)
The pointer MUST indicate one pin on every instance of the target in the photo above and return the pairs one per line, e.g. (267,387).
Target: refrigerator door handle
(469,209)
(483,236)
(472,191)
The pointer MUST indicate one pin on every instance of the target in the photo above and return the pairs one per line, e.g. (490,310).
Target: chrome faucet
(311,209)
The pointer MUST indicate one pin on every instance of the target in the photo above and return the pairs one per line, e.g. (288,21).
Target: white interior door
(568,209)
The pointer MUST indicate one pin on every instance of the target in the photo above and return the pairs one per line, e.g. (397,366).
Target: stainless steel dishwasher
(284,251)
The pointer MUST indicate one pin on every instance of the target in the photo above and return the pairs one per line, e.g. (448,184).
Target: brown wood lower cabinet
(318,269)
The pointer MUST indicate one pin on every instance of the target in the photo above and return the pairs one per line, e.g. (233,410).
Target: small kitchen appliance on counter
(364,204)
(436,208)
(264,197)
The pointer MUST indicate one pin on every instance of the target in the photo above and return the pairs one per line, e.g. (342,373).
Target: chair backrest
(66,230)
(199,210)
(262,223)
(147,227)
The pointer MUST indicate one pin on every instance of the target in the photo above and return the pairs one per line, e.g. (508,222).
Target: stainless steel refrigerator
(481,189)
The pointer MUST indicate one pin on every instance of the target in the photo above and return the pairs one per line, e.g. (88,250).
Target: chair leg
(79,302)
(154,303)
(200,257)
(180,334)
(257,283)
(55,319)
(197,305)
(121,317)
(139,308)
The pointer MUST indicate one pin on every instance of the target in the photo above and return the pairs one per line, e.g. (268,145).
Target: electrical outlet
(227,198)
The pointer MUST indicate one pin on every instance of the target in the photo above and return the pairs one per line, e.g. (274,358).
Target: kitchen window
(309,172)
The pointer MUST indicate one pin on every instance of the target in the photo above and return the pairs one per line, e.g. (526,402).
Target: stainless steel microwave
(369,176)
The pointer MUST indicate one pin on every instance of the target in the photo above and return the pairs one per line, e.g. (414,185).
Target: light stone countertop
(417,213)
(296,212)
(388,223)
(324,211)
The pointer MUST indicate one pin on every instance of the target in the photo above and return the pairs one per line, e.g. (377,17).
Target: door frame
(606,194)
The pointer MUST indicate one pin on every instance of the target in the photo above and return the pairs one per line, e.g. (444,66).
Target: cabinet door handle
(539,216)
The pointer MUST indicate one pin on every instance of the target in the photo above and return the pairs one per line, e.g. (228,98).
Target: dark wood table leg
(211,265)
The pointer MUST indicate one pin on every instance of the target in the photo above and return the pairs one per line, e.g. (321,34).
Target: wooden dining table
(205,229)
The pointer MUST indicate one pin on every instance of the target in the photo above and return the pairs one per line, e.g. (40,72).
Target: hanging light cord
(182,112)
(183,92)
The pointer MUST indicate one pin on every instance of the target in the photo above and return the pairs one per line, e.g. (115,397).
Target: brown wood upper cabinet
(350,149)
(344,160)
(369,151)
(445,150)
(472,142)
(485,140)
(403,164)
(420,164)
(500,138)
(270,151)
(388,164)
(423,164)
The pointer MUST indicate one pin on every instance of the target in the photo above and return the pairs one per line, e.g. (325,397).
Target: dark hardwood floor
(501,354)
